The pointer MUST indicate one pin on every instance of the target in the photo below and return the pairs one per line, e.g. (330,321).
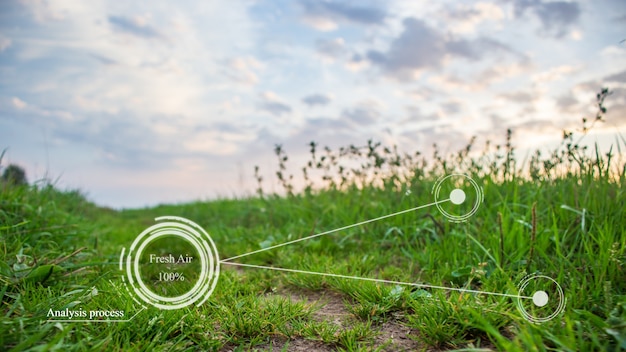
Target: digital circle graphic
(462,192)
(540,298)
(457,196)
(546,298)
(184,230)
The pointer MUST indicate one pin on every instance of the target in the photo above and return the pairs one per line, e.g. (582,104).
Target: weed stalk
(533,236)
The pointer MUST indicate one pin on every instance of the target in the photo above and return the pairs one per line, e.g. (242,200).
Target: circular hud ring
(457,197)
(547,298)
(186,230)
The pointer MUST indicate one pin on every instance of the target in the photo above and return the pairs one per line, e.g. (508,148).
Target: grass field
(560,216)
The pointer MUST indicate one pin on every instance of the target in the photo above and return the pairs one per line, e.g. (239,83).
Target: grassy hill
(560,216)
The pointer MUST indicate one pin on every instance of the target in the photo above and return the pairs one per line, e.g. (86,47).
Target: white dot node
(540,298)
(457,196)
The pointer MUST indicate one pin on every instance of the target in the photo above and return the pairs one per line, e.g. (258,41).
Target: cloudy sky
(139,103)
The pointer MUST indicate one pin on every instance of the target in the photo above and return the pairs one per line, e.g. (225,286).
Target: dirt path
(391,335)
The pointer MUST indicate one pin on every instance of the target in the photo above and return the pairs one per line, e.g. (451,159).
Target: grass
(560,215)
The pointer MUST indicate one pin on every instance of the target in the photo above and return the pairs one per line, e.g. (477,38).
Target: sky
(141,103)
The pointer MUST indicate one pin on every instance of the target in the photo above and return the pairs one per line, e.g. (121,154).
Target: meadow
(559,215)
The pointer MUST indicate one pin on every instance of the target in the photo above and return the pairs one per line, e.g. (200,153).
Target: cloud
(567,103)
(331,48)
(465,19)
(357,63)
(365,112)
(501,71)
(43,11)
(316,99)
(538,129)
(4,43)
(423,93)
(214,142)
(243,70)
(323,125)
(555,73)
(275,108)
(417,117)
(18,103)
(273,104)
(32,113)
(619,77)
(324,16)
(555,16)
(616,114)
(124,140)
(444,136)
(137,27)
(493,74)
(476,49)
(452,107)
(518,97)
(104,60)
(420,46)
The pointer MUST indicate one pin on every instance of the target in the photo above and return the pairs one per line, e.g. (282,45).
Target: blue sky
(141,103)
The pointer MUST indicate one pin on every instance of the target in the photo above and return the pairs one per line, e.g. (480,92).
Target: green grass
(561,216)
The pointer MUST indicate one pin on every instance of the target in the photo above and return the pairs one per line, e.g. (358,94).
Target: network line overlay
(456,196)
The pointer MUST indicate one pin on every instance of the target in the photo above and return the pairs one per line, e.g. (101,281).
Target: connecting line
(377,280)
(334,230)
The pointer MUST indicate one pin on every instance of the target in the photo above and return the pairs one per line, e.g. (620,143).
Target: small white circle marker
(457,196)
(540,298)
